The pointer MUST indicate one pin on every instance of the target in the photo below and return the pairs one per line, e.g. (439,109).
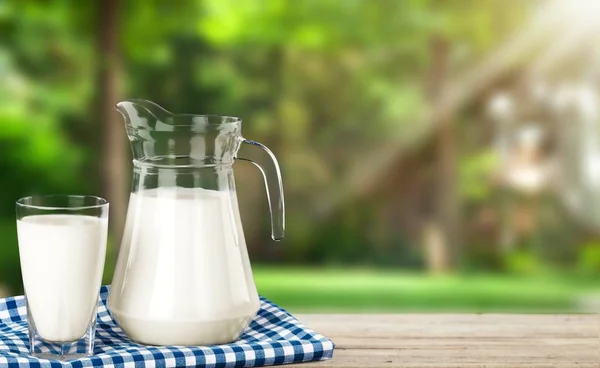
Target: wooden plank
(460,340)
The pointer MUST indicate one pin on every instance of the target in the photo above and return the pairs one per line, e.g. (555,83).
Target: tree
(109,86)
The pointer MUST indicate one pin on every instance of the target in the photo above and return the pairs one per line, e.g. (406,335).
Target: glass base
(65,357)
(59,350)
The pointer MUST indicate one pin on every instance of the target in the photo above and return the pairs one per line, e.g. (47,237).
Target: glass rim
(101,202)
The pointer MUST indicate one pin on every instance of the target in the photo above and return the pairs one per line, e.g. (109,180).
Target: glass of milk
(62,246)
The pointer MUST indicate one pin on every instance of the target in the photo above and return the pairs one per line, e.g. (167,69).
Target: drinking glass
(62,246)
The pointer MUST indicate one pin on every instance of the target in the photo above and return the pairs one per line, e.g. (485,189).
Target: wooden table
(459,340)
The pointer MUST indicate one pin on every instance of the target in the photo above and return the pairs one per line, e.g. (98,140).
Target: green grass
(352,290)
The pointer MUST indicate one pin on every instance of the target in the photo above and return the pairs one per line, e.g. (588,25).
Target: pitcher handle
(272,176)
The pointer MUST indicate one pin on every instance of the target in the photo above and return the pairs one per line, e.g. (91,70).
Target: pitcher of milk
(183,276)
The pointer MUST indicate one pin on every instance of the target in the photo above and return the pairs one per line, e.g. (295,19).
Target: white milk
(183,276)
(62,258)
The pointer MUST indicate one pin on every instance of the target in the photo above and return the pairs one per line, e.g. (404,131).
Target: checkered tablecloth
(274,337)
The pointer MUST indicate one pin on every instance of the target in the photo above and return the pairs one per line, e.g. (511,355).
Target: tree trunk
(447,214)
(114,145)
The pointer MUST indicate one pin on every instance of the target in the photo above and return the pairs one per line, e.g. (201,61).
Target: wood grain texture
(459,340)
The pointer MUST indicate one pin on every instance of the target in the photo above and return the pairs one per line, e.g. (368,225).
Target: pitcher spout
(143,113)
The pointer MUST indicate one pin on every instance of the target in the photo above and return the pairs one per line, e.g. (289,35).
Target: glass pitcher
(183,275)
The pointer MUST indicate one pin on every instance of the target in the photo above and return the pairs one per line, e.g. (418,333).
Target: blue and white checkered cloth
(273,337)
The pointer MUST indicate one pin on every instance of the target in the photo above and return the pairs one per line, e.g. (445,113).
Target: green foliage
(524,263)
(475,174)
(589,259)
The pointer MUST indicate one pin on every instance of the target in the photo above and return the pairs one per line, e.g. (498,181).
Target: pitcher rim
(225,119)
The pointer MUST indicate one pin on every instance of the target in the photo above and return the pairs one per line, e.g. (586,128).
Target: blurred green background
(436,155)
